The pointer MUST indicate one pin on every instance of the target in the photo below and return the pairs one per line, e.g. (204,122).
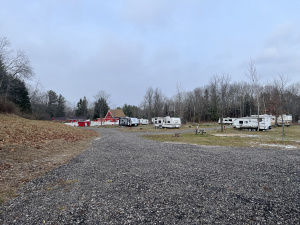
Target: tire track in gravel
(125,179)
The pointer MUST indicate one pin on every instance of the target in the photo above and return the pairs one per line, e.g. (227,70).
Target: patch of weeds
(50,188)
(62,208)
(66,184)
(63,182)
(267,189)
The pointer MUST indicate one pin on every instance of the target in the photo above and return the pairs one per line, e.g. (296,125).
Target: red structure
(84,123)
(113,115)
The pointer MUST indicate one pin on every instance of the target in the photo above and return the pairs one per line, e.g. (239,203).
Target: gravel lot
(125,179)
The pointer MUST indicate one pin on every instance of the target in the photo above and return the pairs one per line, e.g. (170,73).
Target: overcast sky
(79,47)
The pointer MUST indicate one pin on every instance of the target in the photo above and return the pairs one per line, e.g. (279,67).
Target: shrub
(8,107)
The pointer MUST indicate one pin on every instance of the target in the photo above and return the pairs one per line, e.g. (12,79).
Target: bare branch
(16,64)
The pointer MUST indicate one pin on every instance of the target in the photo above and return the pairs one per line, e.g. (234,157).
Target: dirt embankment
(29,148)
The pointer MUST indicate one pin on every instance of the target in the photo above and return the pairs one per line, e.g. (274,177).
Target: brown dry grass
(238,138)
(151,128)
(30,148)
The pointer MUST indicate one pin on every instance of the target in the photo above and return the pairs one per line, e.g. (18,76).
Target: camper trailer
(227,120)
(158,122)
(166,122)
(266,115)
(171,122)
(252,123)
(128,121)
(133,122)
(287,120)
(124,121)
(143,121)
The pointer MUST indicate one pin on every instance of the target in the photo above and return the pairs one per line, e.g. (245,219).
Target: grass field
(150,127)
(237,138)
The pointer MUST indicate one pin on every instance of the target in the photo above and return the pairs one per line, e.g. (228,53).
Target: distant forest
(220,98)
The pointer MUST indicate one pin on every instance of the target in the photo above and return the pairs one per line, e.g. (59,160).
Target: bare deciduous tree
(158,102)
(16,63)
(38,99)
(179,102)
(148,102)
(254,77)
(221,84)
(102,94)
(281,84)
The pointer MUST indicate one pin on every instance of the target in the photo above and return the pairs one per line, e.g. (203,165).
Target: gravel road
(125,179)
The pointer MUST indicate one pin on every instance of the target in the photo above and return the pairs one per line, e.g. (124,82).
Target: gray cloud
(80,47)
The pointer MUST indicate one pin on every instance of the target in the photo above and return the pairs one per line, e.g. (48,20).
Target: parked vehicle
(286,119)
(171,122)
(273,118)
(134,122)
(124,121)
(143,121)
(128,121)
(252,123)
(166,122)
(227,120)
(158,122)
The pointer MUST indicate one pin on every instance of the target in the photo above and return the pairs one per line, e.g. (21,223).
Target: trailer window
(240,122)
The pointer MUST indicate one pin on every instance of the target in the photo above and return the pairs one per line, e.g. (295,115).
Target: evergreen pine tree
(52,103)
(61,106)
(19,95)
(101,108)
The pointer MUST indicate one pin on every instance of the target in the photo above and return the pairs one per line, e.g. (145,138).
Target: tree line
(33,101)
(14,68)
(223,98)
(220,98)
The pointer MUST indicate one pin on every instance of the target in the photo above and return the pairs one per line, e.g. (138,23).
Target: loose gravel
(125,179)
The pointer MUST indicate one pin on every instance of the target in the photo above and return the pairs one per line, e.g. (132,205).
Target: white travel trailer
(124,121)
(128,121)
(133,122)
(273,118)
(171,122)
(158,121)
(166,122)
(252,123)
(143,121)
(227,120)
(287,120)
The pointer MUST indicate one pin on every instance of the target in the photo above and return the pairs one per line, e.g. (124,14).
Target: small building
(112,116)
